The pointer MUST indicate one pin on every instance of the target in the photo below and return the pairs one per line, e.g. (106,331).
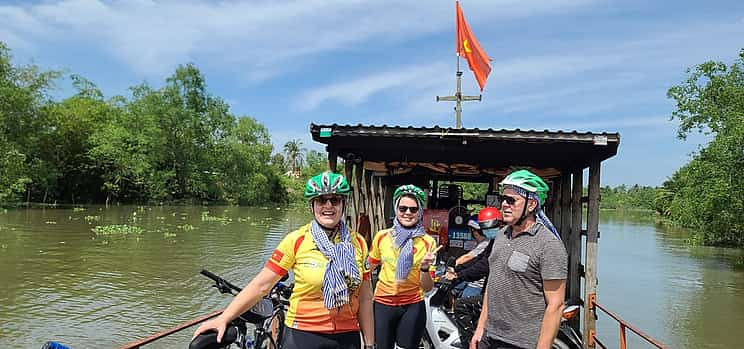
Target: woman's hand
(430,258)
(217,324)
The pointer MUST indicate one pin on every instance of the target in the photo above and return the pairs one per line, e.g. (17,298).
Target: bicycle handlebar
(223,285)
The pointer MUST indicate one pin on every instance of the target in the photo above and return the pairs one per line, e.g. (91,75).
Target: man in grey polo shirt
(527,272)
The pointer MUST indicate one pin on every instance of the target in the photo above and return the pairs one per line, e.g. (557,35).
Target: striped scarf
(341,268)
(541,217)
(403,240)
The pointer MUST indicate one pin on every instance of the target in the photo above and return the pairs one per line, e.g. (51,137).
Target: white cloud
(360,89)
(263,36)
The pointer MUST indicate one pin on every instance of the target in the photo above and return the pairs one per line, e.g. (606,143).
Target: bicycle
(267,317)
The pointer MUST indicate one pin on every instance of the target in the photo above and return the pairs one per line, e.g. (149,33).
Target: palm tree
(294,155)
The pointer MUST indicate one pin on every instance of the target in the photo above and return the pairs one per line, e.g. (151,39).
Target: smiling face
(409,216)
(328,210)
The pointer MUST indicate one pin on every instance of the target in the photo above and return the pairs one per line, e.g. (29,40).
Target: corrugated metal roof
(486,148)
(437,131)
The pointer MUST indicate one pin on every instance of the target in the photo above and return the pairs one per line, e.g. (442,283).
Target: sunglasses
(334,200)
(509,199)
(403,209)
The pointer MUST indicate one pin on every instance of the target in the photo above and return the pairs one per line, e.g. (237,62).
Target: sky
(586,65)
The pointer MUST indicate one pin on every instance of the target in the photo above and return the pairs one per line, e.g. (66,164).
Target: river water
(61,281)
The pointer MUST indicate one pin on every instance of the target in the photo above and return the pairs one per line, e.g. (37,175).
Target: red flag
(468,47)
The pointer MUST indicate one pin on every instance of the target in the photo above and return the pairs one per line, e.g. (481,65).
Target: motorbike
(443,331)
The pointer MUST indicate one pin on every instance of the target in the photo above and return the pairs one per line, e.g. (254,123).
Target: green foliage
(13,173)
(23,121)
(622,197)
(707,194)
(293,153)
(313,163)
(175,143)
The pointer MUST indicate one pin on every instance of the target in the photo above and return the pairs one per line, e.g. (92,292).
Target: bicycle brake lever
(222,287)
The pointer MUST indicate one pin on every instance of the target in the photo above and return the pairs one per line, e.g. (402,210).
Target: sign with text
(435,223)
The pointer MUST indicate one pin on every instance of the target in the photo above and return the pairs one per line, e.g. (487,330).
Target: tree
(13,172)
(294,156)
(707,194)
(178,142)
(23,119)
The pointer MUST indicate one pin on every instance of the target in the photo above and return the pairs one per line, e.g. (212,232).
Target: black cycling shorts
(298,339)
(404,325)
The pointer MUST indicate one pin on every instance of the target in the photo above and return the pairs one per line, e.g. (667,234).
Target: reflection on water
(686,296)
(60,281)
(63,282)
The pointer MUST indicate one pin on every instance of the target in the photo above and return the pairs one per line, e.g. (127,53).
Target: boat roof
(465,151)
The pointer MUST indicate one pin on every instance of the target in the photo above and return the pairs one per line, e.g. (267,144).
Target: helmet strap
(524,214)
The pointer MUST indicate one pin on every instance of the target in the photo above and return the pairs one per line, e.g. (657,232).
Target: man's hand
(477,335)
(450,275)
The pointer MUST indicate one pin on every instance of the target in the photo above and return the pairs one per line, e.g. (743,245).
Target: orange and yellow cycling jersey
(298,252)
(388,290)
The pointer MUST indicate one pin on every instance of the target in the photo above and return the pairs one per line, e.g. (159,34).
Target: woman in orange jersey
(332,298)
(406,254)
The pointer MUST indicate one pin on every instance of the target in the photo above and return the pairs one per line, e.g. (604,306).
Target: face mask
(490,234)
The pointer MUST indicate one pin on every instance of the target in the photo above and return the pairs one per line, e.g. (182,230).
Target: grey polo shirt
(517,268)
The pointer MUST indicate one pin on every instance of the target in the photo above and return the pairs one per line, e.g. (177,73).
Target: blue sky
(587,65)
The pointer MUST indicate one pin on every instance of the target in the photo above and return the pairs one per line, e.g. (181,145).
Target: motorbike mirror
(570,311)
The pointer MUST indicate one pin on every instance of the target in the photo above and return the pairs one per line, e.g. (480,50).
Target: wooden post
(557,208)
(357,187)
(590,274)
(549,208)
(565,228)
(375,202)
(381,205)
(332,160)
(574,245)
(351,207)
(379,202)
(369,199)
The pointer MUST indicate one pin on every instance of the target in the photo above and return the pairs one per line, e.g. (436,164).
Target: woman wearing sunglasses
(332,298)
(407,255)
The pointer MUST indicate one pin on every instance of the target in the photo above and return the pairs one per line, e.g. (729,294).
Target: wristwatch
(424,269)
(370,346)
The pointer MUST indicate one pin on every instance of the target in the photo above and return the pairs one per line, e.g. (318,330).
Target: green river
(61,281)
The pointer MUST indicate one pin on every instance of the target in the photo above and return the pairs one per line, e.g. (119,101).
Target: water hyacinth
(117,229)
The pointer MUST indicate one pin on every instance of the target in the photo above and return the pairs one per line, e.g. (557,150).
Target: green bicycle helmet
(529,182)
(326,183)
(410,189)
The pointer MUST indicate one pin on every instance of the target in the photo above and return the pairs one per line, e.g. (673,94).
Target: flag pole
(458,98)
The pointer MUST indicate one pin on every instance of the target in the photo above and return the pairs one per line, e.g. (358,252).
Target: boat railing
(594,341)
(168,332)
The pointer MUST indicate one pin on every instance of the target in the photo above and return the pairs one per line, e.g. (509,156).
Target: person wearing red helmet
(491,218)
(467,309)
